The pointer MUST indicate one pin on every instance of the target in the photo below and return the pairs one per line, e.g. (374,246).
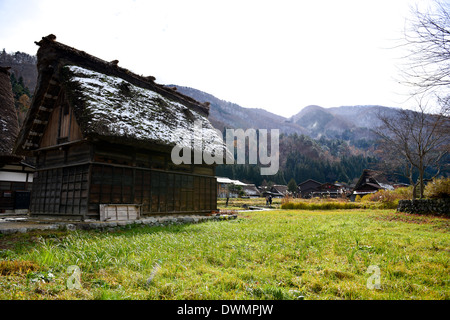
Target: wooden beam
(44,109)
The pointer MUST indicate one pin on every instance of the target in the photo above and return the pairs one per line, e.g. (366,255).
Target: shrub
(8,267)
(438,188)
(404,193)
(329,205)
(388,199)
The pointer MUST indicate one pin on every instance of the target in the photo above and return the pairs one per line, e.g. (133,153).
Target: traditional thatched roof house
(308,187)
(370,182)
(251,191)
(223,187)
(15,175)
(279,190)
(275,191)
(103,137)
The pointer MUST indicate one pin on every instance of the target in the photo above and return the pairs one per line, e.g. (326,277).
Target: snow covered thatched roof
(251,190)
(111,103)
(225,180)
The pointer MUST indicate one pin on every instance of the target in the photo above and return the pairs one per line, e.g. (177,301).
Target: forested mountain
(302,158)
(350,123)
(224,114)
(22,65)
(326,145)
(23,79)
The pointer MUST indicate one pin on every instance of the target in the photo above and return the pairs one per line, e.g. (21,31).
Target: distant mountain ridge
(224,114)
(346,122)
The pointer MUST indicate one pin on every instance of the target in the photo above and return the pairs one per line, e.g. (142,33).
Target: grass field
(280,254)
(237,203)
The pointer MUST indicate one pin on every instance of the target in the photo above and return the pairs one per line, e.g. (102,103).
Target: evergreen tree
(292,186)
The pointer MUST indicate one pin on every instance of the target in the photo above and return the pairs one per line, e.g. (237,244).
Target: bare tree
(427,40)
(415,141)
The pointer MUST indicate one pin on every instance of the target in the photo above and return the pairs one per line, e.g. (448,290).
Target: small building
(251,191)
(16,175)
(370,182)
(224,190)
(103,136)
(329,190)
(308,187)
(279,191)
(275,191)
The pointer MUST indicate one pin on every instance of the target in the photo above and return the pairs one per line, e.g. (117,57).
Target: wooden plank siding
(159,192)
(62,125)
(73,180)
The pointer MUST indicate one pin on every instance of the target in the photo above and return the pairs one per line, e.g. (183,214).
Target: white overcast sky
(277,55)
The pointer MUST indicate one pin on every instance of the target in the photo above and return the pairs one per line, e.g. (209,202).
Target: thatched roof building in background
(370,181)
(251,191)
(279,190)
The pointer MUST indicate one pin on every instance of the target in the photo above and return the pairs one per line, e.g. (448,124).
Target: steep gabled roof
(9,125)
(282,189)
(111,103)
(373,179)
(251,190)
(310,181)
(230,181)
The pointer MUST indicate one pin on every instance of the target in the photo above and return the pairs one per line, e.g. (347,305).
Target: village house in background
(102,137)
(227,187)
(314,189)
(276,191)
(370,182)
(224,188)
(273,190)
(330,190)
(16,175)
(308,187)
(251,191)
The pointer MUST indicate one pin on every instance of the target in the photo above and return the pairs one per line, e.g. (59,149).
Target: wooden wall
(73,180)
(61,181)
(157,191)
(8,190)
(62,126)
(61,192)
(121,175)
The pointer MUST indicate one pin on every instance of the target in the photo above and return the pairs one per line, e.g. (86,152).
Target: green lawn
(284,254)
(238,203)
